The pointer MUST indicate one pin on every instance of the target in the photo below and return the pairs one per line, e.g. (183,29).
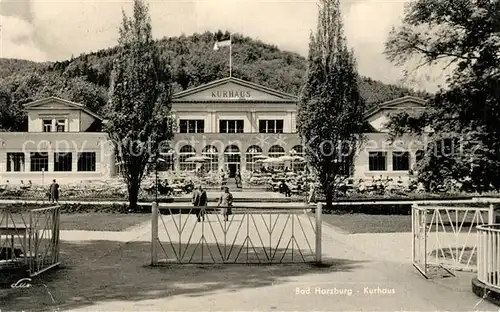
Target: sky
(50,30)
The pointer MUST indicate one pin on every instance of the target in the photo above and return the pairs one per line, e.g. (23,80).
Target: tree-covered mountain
(193,62)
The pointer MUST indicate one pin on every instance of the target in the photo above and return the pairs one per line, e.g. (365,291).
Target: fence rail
(29,238)
(250,235)
(488,264)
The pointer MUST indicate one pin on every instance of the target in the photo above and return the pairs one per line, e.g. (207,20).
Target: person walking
(200,202)
(226,201)
(54,192)
(237,178)
(312,194)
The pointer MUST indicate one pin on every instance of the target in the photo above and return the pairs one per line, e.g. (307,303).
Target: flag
(220,44)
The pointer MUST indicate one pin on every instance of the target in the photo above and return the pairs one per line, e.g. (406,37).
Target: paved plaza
(364,272)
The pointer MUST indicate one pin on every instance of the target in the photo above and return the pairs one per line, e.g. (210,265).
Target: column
(210,121)
(389,161)
(27,162)
(253,122)
(74,161)
(214,122)
(50,154)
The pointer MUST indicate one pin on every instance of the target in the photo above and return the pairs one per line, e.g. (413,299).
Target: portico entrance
(232,160)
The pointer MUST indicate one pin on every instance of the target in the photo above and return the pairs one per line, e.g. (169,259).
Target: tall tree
(330,111)
(465,116)
(139,107)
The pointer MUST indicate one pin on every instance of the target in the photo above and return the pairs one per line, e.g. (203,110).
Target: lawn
(363,223)
(101,221)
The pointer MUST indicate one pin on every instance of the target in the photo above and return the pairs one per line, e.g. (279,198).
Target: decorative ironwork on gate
(251,235)
(445,236)
(29,238)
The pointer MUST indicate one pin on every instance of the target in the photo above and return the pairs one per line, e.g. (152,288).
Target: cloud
(17,40)
(44,30)
(17,8)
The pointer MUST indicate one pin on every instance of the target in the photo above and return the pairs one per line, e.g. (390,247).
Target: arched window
(232,155)
(186,152)
(211,152)
(298,163)
(252,151)
(274,152)
(166,159)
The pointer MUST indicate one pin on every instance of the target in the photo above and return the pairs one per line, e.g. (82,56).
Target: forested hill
(85,79)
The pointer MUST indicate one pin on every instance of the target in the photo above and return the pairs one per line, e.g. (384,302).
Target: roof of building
(64,102)
(405,99)
(241,82)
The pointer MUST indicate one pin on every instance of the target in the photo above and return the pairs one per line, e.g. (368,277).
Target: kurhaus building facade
(229,121)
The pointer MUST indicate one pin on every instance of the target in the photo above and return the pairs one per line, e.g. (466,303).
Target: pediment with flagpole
(233,90)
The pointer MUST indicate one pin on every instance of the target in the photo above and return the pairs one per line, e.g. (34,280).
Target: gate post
(491,214)
(154,232)
(318,232)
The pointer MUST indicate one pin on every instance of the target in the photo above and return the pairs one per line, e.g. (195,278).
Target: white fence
(488,252)
(444,236)
(250,235)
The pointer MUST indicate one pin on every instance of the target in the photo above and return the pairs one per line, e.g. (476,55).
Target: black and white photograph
(248,155)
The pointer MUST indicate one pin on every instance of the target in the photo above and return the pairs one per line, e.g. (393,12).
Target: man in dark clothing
(199,202)
(54,192)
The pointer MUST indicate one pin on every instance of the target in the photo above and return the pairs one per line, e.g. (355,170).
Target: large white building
(228,120)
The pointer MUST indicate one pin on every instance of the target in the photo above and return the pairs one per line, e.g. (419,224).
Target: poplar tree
(330,110)
(139,108)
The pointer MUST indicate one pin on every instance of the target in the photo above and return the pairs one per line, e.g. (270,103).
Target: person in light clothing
(226,202)
(312,193)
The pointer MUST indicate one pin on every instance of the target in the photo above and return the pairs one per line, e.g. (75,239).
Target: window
(270,126)
(186,152)
(251,161)
(47,125)
(377,161)
(231,126)
(400,161)
(191,126)
(62,161)
(298,163)
(276,151)
(232,155)
(212,153)
(60,125)
(86,161)
(15,162)
(166,161)
(39,161)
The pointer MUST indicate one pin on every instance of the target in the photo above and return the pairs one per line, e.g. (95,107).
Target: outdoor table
(16,231)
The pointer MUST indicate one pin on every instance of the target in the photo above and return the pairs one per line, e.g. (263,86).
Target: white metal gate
(251,235)
(445,236)
(29,238)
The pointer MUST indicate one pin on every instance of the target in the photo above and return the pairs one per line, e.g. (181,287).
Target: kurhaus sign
(231,94)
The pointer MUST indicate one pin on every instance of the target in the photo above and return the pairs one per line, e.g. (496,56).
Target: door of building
(232,170)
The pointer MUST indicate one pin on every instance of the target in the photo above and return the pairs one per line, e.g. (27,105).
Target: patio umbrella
(260,156)
(285,158)
(198,159)
(271,160)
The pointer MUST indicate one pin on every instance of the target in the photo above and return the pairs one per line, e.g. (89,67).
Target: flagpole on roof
(230,54)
